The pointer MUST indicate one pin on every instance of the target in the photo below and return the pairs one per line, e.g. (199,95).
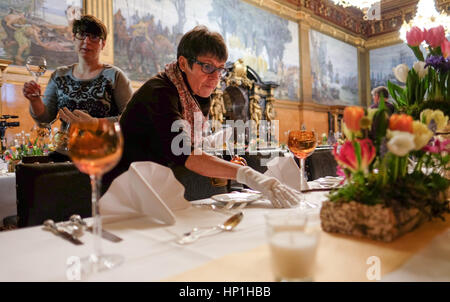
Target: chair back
(320,164)
(51,191)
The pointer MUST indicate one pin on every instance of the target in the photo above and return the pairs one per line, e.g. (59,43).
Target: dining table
(152,252)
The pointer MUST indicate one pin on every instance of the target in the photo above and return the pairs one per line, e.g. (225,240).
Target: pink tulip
(368,152)
(438,146)
(445,47)
(435,36)
(415,36)
(347,156)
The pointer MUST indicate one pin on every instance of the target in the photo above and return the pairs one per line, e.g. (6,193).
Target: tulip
(438,146)
(368,152)
(401,72)
(346,157)
(352,117)
(438,116)
(401,122)
(419,67)
(422,135)
(401,143)
(435,36)
(445,48)
(415,36)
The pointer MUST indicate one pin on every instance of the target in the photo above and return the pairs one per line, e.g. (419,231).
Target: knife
(106,235)
(50,225)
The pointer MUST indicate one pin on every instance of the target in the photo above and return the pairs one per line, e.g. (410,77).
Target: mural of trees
(146,40)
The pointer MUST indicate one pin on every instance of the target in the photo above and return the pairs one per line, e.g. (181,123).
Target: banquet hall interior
(293,66)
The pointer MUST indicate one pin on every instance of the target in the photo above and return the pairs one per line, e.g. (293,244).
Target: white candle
(293,255)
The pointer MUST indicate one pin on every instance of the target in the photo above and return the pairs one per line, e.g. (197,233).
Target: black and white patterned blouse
(105,95)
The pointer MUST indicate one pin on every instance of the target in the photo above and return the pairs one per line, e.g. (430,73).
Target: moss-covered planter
(375,222)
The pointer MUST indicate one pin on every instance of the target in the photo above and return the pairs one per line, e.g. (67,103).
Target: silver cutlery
(72,237)
(105,234)
(196,233)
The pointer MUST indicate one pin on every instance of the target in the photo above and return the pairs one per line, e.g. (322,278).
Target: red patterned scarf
(188,103)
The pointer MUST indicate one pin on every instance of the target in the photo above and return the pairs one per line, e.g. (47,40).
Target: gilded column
(364,77)
(305,63)
(3,65)
(103,10)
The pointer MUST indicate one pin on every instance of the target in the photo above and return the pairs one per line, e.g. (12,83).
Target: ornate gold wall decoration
(270,111)
(238,76)
(255,109)
(217,109)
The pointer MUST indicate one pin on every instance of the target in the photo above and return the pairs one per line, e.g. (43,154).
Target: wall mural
(38,27)
(382,60)
(146,34)
(334,70)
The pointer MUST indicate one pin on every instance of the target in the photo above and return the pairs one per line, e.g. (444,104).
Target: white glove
(280,195)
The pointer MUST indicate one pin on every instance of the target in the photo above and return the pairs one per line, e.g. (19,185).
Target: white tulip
(419,67)
(401,72)
(422,135)
(401,143)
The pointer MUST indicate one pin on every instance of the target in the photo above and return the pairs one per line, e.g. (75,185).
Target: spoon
(228,225)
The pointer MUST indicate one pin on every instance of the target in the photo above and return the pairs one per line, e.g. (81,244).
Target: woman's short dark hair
(199,41)
(90,24)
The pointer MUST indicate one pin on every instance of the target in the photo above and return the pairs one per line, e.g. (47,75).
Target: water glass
(293,239)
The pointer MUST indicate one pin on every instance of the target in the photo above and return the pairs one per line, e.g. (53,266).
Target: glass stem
(97,227)
(302,173)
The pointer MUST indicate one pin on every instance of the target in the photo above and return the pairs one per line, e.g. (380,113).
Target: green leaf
(417,52)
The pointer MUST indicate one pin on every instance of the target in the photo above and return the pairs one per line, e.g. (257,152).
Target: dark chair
(320,164)
(51,191)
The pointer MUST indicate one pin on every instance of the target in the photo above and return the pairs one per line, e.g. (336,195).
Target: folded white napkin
(217,139)
(285,170)
(147,188)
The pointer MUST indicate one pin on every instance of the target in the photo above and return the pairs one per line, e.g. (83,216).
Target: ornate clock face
(236,103)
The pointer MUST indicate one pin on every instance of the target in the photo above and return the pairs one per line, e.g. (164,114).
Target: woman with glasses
(165,119)
(86,90)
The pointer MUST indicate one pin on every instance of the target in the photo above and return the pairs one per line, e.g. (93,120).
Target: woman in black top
(159,121)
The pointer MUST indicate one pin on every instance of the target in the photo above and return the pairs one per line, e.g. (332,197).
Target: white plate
(329,181)
(237,197)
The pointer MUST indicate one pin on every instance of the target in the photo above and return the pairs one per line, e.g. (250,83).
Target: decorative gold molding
(383,40)
(328,29)
(289,105)
(280,9)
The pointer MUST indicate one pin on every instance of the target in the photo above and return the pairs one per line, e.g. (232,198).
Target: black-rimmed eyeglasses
(209,68)
(92,37)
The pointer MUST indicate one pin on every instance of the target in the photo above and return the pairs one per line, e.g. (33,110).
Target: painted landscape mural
(334,70)
(382,60)
(40,28)
(146,34)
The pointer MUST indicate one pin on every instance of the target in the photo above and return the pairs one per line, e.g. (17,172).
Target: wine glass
(36,66)
(302,144)
(95,148)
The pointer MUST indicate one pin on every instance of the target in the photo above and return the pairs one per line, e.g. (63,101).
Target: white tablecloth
(150,250)
(7,195)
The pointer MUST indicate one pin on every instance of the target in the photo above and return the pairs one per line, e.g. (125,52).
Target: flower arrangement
(428,82)
(16,153)
(394,170)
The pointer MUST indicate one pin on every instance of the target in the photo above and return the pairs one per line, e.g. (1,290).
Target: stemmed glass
(302,144)
(95,148)
(36,66)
